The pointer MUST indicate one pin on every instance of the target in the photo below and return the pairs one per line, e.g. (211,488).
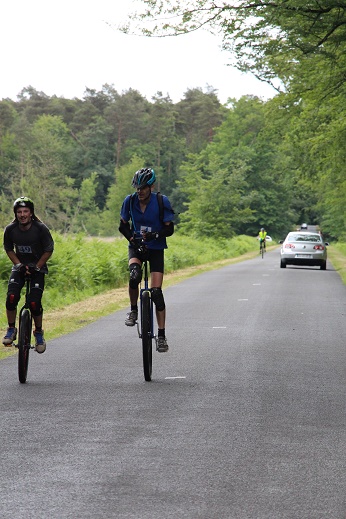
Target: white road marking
(218,327)
(242,299)
(172,378)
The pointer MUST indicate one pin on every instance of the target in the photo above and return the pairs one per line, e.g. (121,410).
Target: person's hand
(32,269)
(139,246)
(19,267)
(148,236)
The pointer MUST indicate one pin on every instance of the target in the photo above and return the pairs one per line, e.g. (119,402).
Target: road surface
(244,418)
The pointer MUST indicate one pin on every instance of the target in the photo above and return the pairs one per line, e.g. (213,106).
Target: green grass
(337,256)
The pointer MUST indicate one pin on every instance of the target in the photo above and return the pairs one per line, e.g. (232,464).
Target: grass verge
(337,256)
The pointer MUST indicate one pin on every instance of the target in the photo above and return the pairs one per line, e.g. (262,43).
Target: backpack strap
(160,202)
(131,205)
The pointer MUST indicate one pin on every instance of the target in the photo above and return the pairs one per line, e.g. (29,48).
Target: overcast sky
(62,47)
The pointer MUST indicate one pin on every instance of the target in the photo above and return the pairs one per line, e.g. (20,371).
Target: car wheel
(323,266)
(282,264)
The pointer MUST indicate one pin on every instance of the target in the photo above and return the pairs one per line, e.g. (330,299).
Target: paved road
(245,417)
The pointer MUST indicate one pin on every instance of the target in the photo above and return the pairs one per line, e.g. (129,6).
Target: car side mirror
(281,241)
(326,242)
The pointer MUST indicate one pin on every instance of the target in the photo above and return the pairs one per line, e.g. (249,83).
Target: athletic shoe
(162,345)
(10,336)
(40,343)
(131,318)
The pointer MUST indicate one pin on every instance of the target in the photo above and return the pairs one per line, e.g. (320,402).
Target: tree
(198,114)
(167,145)
(128,116)
(275,40)
(32,103)
(116,194)
(94,152)
(242,180)
(218,196)
(86,214)
(45,167)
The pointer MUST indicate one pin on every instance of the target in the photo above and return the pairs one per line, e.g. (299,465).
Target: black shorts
(155,258)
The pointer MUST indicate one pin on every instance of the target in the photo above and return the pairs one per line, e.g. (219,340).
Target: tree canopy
(272,39)
(228,169)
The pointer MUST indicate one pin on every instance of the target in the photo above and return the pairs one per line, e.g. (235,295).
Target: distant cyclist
(262,239)
(143,210)
(29,244)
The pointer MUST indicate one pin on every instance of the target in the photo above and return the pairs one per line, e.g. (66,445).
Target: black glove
(148,236)
(33,269)
(138,245)
(19,267)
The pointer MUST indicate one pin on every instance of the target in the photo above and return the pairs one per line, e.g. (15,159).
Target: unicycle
(24,336)
(145,324)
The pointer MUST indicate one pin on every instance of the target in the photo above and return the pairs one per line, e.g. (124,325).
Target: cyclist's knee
(35,302)
(36,309)
(158,299)
(135,275)
(12,300)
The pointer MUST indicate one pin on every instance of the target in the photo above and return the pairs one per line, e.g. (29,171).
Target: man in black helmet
(152,224)
(29,244)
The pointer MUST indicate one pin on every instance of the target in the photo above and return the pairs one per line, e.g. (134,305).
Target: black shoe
(162,345)
(131,318)
(10,336)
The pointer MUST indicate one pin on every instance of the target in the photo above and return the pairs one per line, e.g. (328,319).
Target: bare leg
(161,318)
(11,316)
(37,321)
(133,293)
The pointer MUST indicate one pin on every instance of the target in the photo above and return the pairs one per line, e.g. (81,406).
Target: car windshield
(314,238)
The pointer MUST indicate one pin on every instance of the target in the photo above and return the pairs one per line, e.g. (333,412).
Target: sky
(63,47)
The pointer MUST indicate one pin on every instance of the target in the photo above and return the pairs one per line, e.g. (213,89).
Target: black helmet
(143,177)
(23,201)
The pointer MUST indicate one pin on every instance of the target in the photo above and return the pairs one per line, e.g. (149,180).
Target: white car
(304,248)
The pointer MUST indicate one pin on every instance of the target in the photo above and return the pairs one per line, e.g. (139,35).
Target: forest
(227,169)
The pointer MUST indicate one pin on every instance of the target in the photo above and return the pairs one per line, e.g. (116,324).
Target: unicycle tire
(24,345)
(147,336)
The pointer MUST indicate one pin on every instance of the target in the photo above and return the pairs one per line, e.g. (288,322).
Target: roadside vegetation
(337,255)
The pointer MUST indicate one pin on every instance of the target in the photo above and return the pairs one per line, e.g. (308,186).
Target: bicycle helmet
(262,229)
(143,177)
(23,201)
